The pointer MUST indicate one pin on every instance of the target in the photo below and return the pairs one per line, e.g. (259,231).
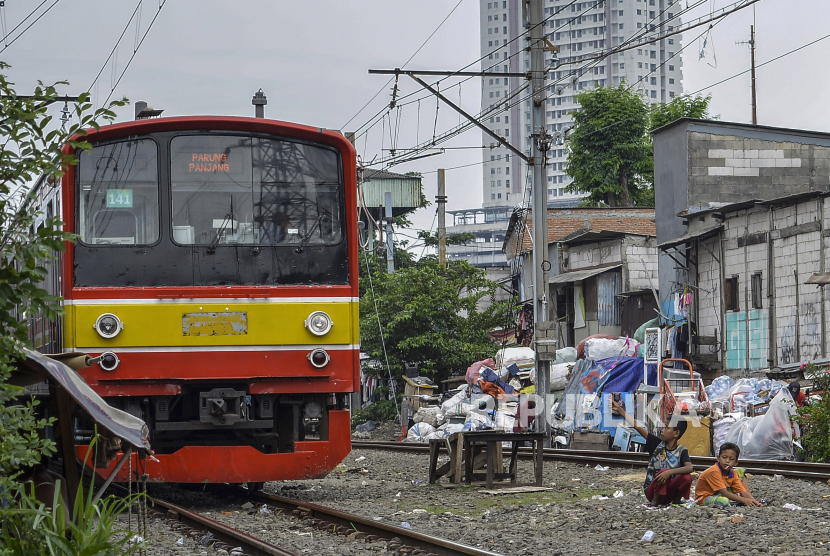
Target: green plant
(814,418)
(29,527)
(31,159)
(382,410)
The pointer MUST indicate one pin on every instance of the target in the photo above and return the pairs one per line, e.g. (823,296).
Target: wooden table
(492,440)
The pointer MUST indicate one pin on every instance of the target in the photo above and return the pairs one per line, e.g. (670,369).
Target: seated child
(721,484)
(668,478)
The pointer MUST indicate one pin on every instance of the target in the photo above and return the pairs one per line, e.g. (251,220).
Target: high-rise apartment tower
(580,30)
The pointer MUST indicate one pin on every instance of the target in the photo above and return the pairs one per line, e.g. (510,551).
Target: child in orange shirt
(720,485)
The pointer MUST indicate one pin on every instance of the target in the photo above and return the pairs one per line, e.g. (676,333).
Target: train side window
(118,194)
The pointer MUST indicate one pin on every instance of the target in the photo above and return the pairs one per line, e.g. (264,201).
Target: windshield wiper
(228,220)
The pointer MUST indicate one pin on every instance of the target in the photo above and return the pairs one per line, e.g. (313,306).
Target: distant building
(579,30)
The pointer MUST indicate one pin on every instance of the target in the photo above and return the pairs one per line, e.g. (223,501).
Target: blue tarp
(615,374)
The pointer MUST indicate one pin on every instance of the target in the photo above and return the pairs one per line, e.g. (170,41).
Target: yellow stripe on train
(211,324)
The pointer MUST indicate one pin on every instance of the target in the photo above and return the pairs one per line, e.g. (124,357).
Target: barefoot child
(721,485)
(668,478)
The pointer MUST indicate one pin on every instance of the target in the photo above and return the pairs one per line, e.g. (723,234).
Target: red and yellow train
(215,270)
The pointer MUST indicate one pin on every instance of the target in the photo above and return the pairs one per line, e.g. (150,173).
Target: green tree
(609,146)
(429,315)
(431,239)
(681,107)
(611,150)
(30,154)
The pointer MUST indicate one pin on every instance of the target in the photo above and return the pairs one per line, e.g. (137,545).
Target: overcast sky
(311,60)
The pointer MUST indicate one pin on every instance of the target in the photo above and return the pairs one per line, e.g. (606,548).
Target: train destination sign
(208,162)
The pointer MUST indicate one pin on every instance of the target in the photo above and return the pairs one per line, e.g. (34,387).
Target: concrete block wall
(730,168)
(594,254)
(711,290)
(641,262)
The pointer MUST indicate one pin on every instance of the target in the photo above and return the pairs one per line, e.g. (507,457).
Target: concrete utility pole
(541,265)
(441,200)
(754,98)
(751,44)
(390,245)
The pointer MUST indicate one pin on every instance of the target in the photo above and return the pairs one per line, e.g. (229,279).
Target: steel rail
(792,469)
(406,541)
(227,537)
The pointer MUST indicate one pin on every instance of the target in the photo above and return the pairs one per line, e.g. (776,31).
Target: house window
(757,298)
(730,294)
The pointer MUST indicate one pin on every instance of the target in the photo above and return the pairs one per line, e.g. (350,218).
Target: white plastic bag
(602,348)
(522,356)
(721,428)
(456,406)
(418,432)
(769,436)
(559,376)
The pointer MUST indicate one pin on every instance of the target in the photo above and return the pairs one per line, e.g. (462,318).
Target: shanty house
(603,274)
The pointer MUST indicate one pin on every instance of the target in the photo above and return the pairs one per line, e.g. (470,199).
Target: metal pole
(441,200)
(540,207)
(390,246)
(754,98)
(259,101)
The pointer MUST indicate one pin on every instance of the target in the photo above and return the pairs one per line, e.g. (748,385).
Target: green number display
(120,198)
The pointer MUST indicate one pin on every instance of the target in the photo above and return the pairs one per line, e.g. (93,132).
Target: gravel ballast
(565,519)
(391,487)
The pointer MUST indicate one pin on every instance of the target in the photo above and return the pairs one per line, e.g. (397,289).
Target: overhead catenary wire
(115,47)
(581,71)
(23,32)
(404,64)
(135,51)
(741,4)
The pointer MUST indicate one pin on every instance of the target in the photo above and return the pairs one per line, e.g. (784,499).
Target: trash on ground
(361,458)
(368,426)
(619,494)
(601,468)
(791,507)
(406,525)
(264,510)
(648,537)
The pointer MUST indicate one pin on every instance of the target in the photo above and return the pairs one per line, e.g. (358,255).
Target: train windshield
(119,194)
(250,190)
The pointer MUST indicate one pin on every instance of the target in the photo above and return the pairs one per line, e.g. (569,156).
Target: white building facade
(580,30)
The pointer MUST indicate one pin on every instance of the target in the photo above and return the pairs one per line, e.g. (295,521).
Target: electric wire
(135,51)
(404,64)
(579,72)
(112,52)
(23,32)
(626,45)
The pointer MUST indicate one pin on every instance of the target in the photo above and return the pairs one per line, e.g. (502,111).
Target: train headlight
(318,323)
(319,358)
(109,361)
(108,326)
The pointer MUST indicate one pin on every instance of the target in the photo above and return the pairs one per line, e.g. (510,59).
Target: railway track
(400,540)
(792,469)
(222,537)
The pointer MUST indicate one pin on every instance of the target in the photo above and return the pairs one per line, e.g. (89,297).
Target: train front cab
(215,270)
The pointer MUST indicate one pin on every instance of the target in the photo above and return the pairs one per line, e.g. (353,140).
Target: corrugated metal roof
(579,275)
(688,236)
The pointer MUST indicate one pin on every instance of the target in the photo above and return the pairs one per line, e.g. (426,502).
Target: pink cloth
(473,373)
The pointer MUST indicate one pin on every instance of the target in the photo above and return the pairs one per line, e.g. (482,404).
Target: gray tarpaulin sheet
(129,428)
